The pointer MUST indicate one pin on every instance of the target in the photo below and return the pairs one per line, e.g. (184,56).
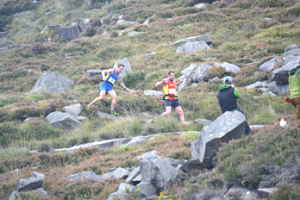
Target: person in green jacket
(294,86)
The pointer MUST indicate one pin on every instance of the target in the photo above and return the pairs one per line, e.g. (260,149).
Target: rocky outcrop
(271,64)
(62,120)
(53,82)
(229,68)
(127,66)
(154,93)
(35,181)
(204,38)
(292,50)
(230,125)
(192,47)
(70,32)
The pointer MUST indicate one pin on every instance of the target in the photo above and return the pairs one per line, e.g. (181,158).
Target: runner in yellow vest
(170,98)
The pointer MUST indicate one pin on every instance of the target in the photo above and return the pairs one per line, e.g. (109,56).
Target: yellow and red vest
(170,90)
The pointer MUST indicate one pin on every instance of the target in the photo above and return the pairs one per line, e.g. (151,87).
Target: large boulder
(204,38)
(127,66)
(70,32)
(192,47)
(292,50)
(53,82)
(147,189)
(188,69)
(63,120)
(119,173)
(230,125)
(88,176)
(200,72)
(122,193)
(158,171)
(230,68)
(34,182)
(134,173)
(271,64)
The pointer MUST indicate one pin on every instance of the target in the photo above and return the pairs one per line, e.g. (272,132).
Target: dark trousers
(247,128)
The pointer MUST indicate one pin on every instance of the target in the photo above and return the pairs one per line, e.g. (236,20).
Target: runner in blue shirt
(110,76)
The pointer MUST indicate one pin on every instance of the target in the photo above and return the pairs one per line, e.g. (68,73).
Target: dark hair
(119,65)
(170,72)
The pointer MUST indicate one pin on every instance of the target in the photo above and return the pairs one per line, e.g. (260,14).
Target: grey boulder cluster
(33,183)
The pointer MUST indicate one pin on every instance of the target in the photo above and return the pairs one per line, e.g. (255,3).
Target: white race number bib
(111,80)
(172,91)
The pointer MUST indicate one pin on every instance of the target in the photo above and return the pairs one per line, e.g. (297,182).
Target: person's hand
(104,78)
(128,90)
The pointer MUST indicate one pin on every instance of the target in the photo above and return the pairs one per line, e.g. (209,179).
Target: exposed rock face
(189,69)
(70,32)
(292,50)
(35,181)
(192,47)
(88,176)
(121,193)
(230,125)
(53,82)
(230,68)
(63,120)
(199,74)
(204,38)
(271,64)
(127,66)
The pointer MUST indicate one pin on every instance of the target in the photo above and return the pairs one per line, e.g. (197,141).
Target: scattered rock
(34,182)
(292,49)
(230,68)
(271,64)
(154,93)
(73,109)
(88,176)
(53,82)
(62,120)
(93,72)
(192,47)
(127,66)
(203,121)
(189,69)
(150,55)
(204,38)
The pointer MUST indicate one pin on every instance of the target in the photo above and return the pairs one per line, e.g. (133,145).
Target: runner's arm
(164,81)
(104,72)
(122,84)
(179,82)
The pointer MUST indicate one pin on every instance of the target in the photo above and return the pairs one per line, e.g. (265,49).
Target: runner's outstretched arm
(122,84)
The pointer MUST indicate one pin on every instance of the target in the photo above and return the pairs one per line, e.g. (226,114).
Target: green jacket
(237,94)
(294,82)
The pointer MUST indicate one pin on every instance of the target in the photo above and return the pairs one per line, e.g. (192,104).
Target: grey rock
(203,121)
(150,55)
(175,163)
(187,80)
(264,193)
(53,82)
(14,195)
(73,109)
(230,125)
(230,68)
(19,14)
(138,178)
(133,33)
(93,72)
(146,22)
(292,50)
(70,32)
(289,58)
(273,87)
(199,73)
(257,84)
(81,118)
(280,75)
(257,126)
(154,93)
(41,191)
(133,174)
(201,5)
(283,89)
(36,4)
(192,47)
(271,64)
(106,116)
(88,176)
(192,167)
(189,69)
(127,66)
(15,46)
(119,173)
(266,93)
(31,119)
(204,38)
(62,120)
(245,193)
(122,22)
(35,181)
(121,193)
(148,155)
(3,35)
(147,189)
(136,141)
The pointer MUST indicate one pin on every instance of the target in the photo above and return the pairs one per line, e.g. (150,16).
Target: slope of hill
(243,32)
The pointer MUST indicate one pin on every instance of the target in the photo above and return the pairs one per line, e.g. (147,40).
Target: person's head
(227,80)
(171,75)
(120,68)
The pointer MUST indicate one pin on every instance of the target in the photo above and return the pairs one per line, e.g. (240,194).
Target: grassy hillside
(242,32)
